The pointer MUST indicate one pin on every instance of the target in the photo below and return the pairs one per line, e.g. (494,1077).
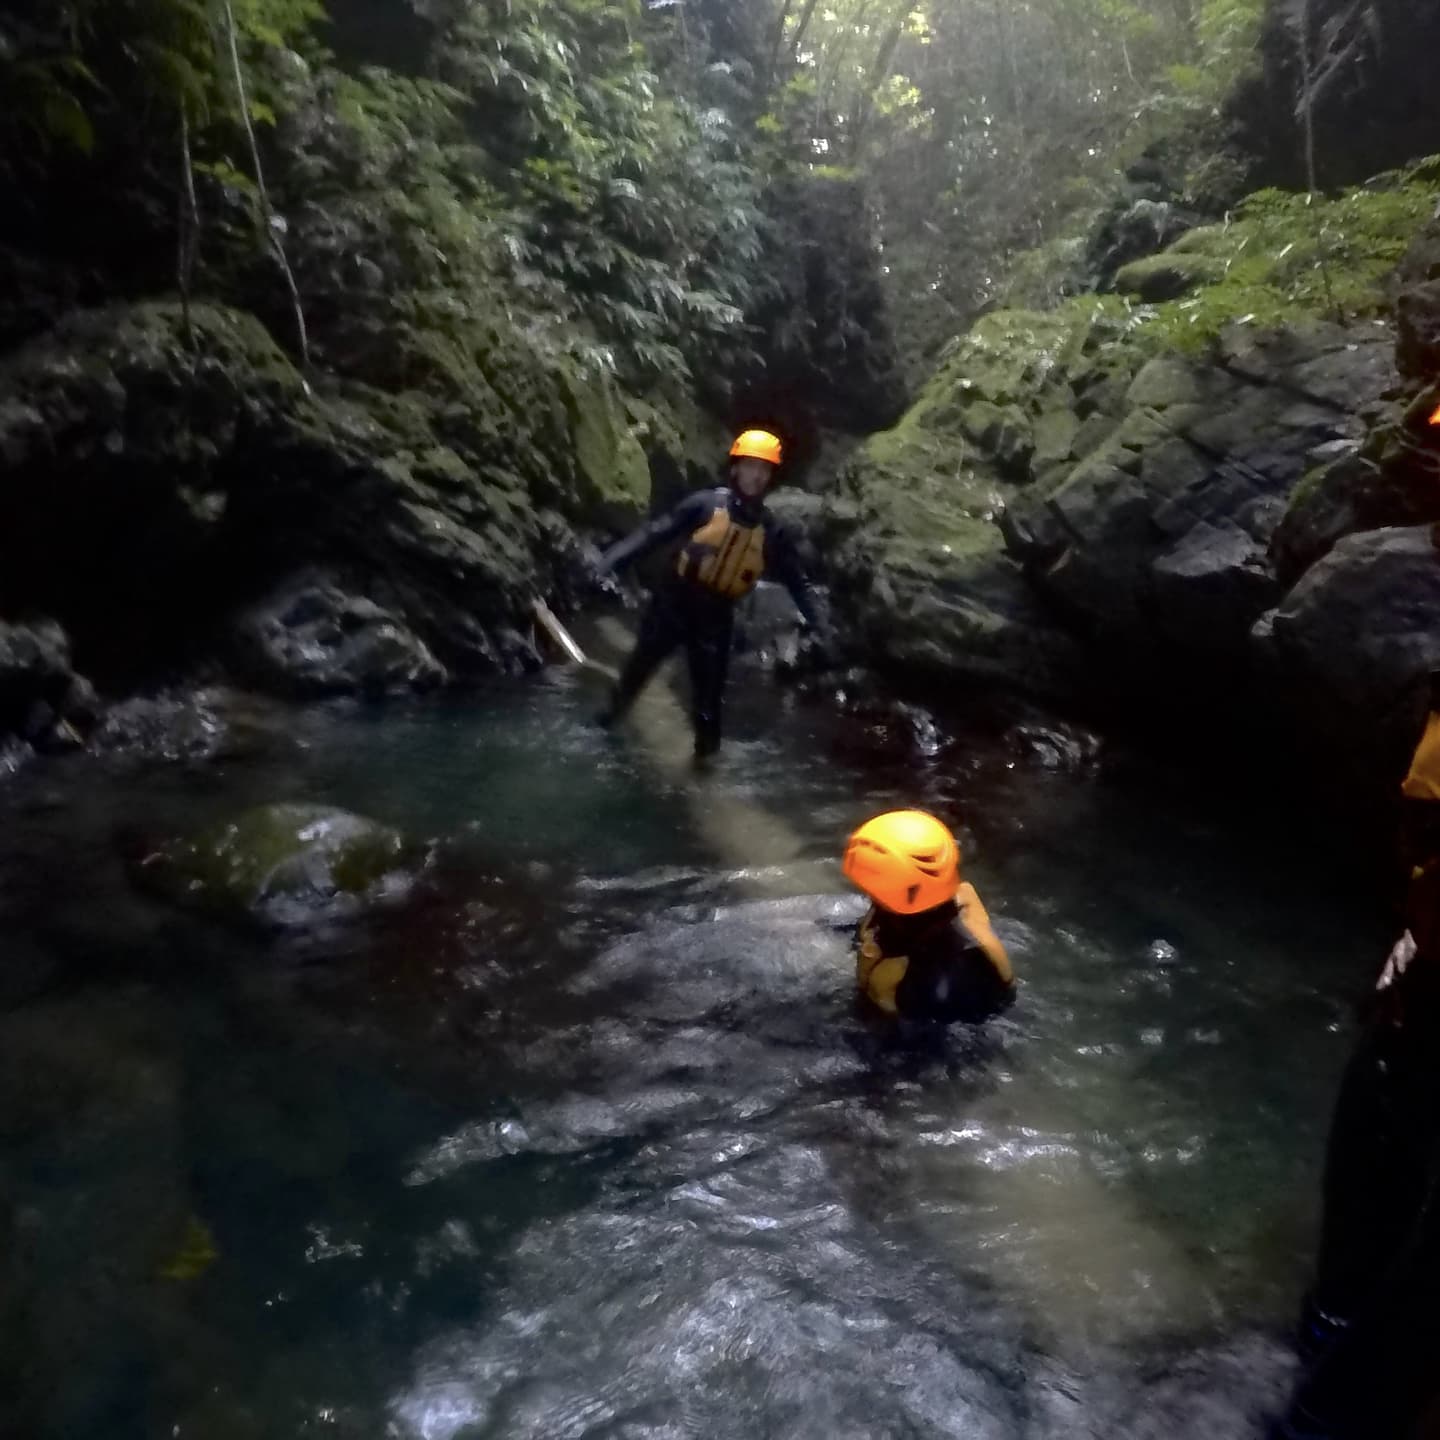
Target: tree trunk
(837,60)
(268,218)
(776,42)
(806,15)
(1307,109)
(187,228)
(878,74)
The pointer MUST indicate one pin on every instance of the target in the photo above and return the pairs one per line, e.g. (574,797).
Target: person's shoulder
(708,497)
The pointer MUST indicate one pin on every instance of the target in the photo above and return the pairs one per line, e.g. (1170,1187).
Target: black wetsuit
(732,542)
(1372,1327)
(943,965)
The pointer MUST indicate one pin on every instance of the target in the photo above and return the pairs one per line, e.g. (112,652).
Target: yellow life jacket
(1423,781)
(879,975)
(724,555)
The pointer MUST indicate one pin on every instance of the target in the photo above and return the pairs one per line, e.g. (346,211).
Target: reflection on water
(589,1140)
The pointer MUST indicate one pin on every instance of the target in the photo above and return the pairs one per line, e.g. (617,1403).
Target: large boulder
(34,668)
(42,700)
(312,638)
(1159,541)
(1156,278)
(1131,230)
(1348,649)
(283,865)
(1067,509)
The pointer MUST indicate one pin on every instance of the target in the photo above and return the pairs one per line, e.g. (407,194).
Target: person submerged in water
(924,949)
(730,542)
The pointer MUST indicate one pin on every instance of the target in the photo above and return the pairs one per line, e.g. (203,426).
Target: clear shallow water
(588,1139)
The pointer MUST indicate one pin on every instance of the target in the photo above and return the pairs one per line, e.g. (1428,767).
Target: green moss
(1307,486)
(1168,276)
(1286,259)
(296,852)
(1210,240)
(610,463)
(1041,278)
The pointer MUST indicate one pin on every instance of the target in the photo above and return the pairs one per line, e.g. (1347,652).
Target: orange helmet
(905,860)
(756,445)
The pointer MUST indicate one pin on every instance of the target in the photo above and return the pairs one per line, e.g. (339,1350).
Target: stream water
(588,1138)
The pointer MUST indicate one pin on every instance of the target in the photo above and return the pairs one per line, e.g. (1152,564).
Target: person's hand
(1397,962)
(597,577)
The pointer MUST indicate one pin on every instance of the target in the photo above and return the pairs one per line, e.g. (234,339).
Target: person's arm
(689,514)
(877,974)
(782,561)
(974,918)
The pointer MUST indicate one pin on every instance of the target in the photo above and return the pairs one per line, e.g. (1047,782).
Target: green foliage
(1285,257)
(1270,261)
(93,70)
(632,213)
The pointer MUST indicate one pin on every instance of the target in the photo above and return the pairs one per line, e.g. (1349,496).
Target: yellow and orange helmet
(756,445)
(905,861)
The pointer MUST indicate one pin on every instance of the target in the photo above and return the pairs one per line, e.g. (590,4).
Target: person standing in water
(924,949)
(1370,1332)
(730,542)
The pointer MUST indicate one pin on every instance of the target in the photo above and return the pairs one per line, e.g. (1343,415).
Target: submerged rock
(206,724)
(284,865)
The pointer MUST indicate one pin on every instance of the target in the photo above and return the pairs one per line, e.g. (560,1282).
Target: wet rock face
(1119,522)
(1161,537)
(152,490)
(312,638)
(42,700)
(285,866)
(1347,648)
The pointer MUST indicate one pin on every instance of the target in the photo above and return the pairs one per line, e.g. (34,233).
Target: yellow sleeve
(878,975)
(1423,781)
(977,921)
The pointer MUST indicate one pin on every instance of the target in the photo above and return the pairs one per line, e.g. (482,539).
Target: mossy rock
(1165,381)
(684,444)
(1056,432)
(1211,240)
(611,471)
(1169,276)
(286,865)
(1002,434)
